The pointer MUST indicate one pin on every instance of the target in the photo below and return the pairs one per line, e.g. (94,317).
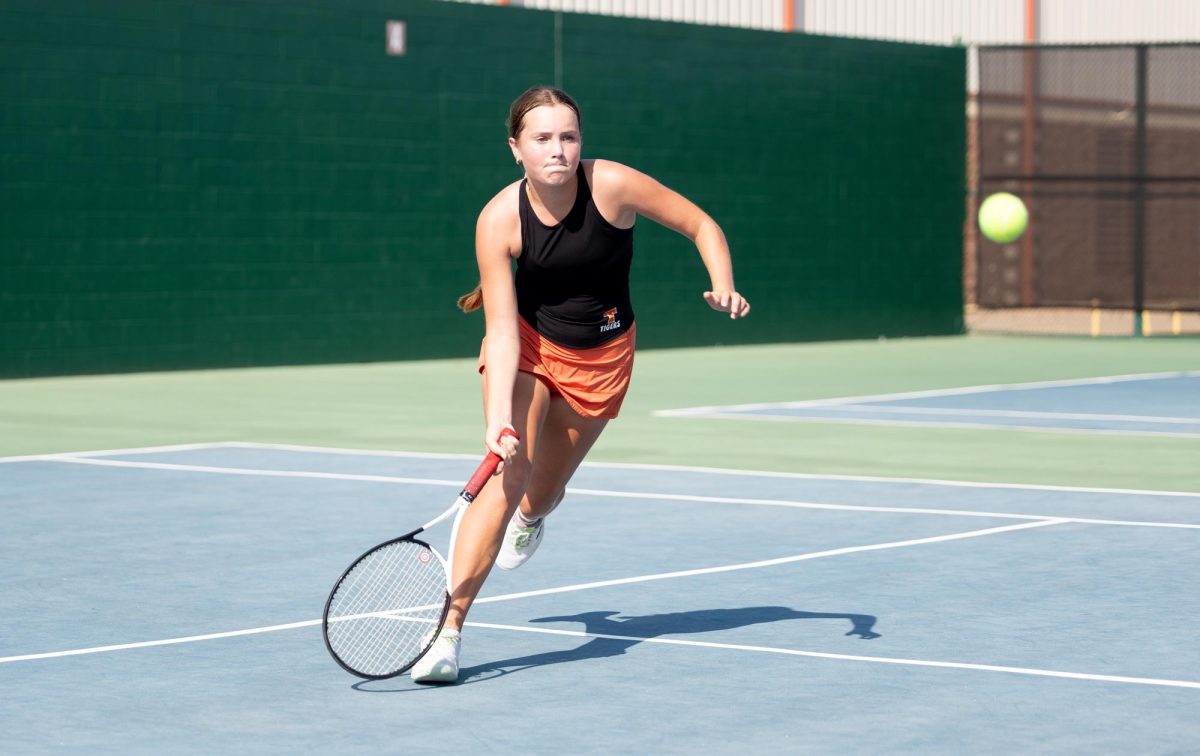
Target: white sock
(524,521)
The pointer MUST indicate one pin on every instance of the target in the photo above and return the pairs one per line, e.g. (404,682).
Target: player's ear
(512,145)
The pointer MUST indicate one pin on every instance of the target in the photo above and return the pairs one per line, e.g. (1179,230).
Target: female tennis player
(560,332)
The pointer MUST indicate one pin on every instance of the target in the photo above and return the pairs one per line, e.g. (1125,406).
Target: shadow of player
(630,631)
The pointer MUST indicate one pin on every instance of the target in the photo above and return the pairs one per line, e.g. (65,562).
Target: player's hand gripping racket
(388,607)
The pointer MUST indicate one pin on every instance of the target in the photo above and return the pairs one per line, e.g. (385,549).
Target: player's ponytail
(471,301)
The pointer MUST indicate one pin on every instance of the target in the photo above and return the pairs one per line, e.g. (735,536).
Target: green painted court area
(435,406)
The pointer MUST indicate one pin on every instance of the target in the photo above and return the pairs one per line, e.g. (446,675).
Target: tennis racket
(387,608)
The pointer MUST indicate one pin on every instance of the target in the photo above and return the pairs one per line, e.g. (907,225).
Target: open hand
(728,301)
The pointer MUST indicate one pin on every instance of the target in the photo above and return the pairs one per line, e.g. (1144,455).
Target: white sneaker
(519,543)
(440,662)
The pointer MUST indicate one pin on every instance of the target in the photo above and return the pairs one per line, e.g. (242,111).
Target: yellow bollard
(1176,323)
(1095,322)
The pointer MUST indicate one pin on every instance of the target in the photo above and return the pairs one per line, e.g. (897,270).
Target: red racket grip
(486,469)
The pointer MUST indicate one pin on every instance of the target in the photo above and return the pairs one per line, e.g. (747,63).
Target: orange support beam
(1028,151)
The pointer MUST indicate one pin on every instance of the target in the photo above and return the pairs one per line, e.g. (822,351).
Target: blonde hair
(531,98)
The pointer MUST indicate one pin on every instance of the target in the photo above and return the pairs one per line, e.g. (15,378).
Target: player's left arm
(641,194)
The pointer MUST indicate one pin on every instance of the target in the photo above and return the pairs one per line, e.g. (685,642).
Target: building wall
(1003,21)
(1090,21)
(939,22)
(749,14)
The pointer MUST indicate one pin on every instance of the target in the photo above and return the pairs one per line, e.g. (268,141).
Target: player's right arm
(496,230)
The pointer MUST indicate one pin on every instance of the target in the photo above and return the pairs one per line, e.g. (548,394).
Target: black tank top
(573,278)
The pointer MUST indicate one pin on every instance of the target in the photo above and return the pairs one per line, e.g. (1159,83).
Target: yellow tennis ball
(1002,217)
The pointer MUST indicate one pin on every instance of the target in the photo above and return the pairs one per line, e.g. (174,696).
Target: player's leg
(565,438)
(479,533)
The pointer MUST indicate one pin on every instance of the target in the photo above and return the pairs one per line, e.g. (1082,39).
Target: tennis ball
(1002,217)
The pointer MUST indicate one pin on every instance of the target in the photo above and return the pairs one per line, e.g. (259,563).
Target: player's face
(549,144)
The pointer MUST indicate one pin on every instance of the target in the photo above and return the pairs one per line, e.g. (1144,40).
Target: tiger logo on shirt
(610,321)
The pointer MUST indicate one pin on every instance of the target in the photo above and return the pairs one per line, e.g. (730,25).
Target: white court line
(136,450)
(850,657)
(739,473)
(883,660)
(886,479)
(774,562)
(616,494)
(866,508)
(933,393)
(253,471)
(356,452)
(150,644)
(69,456)
(549,591)
(1032,414)
(858,403)
(681,642)
(719,414)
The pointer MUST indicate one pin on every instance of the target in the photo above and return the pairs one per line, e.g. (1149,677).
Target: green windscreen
(230,183)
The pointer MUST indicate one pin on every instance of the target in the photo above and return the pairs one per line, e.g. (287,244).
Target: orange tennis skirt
(592,381)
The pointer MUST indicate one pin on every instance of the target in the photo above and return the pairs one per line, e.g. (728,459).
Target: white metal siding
(1118,21)
(752,14)
(943,22)
(938,22)
(931,21)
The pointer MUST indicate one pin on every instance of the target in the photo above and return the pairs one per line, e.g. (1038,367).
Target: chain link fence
(1103,145)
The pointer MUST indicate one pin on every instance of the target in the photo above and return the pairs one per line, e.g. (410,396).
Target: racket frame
(409,538)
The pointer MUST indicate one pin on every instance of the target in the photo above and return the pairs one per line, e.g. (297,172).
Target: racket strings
(385,606)
(381,639)
(412,599)
(388,582)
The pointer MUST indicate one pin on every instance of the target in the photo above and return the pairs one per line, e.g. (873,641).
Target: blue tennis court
(1162,404)
(671,609)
